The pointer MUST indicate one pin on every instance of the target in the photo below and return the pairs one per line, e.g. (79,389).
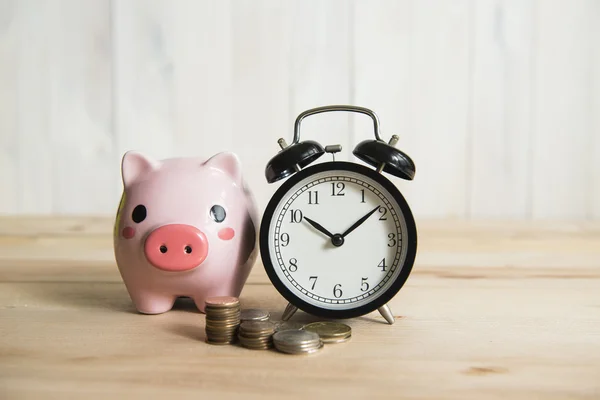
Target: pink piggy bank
(185,227)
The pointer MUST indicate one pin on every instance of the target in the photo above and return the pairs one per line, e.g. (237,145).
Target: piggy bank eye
(138,214)
(217,213)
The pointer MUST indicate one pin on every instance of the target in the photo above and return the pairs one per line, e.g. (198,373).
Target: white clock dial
(307,260)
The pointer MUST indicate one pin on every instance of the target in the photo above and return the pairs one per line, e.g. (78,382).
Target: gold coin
(222,301)
(254,314)
(336,340)
(327,329)
(299,348)
(296,338)
(257,326)
(288,325)
(222,323)
(221,315)
(301,351)
(222,342)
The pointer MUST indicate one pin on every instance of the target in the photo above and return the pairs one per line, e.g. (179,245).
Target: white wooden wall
(497,101)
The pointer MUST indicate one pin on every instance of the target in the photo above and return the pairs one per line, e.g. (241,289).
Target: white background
(498,102)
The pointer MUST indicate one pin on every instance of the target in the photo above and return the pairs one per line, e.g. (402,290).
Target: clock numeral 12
(340,186)
(310,197)
(295,216)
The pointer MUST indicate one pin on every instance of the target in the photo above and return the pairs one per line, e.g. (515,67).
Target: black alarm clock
(338,239)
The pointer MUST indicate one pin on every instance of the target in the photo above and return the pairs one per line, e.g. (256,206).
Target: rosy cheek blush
(226,234)
(128,232)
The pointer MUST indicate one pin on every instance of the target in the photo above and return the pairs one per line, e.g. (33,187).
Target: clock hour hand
(359,222)
(319,227)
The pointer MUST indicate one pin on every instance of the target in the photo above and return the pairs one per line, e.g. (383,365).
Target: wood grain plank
(476,282)
(9,139)
(447,334)
(562,111)
(500,145)
(320,67)
(52,225)
(202,77)
(261,76)
(68,249)
(144,107)
(86,173)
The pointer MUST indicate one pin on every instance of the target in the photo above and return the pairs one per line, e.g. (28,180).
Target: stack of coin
(254,314)
(256,335)
(222,319)
(296,341)
(288,325)
(330,332)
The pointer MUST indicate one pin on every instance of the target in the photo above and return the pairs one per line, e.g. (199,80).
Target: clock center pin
(337,240)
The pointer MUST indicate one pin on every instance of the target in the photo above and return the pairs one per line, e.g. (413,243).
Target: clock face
(338,239)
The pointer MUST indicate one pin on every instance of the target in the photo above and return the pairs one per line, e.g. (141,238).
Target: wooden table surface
(492,310)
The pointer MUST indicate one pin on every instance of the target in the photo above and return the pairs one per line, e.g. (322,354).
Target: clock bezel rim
(364,309)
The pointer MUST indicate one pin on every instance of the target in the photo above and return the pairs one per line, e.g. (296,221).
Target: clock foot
(386,313)
(289,311)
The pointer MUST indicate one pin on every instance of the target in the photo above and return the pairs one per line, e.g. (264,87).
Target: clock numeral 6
(337,291)
(293,265)
(285,239)
(295,216)
(364,285)
(340,189)
(392,239)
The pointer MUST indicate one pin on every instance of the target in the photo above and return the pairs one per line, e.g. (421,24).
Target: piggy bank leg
(152,303)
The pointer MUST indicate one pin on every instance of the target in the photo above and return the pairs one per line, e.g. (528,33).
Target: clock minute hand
(319,227)
(359,222)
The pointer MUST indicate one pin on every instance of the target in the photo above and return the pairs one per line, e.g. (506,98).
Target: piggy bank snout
(176,247)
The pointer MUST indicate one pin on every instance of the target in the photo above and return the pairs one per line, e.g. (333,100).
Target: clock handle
(323,109)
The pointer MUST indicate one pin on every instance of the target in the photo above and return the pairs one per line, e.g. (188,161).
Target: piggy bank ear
(134,166)
(227,162)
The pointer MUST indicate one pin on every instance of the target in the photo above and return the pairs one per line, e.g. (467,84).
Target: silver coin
(288,325)
(336,340)
(259,327)
(307,347)
(296,337)
(254,314)
(308,350)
